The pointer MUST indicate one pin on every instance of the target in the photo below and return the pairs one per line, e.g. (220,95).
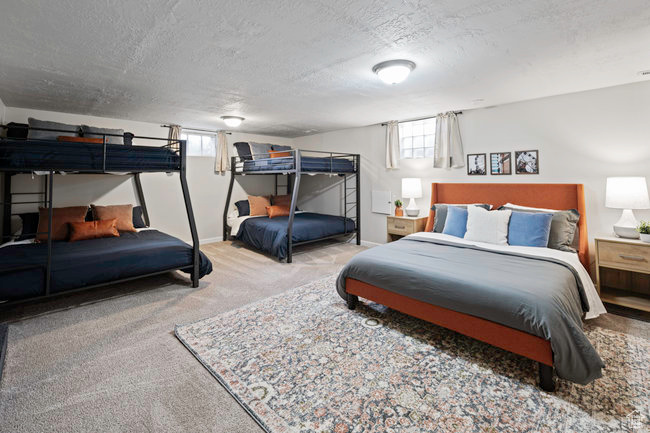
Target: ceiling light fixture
(232,121)
(393,71)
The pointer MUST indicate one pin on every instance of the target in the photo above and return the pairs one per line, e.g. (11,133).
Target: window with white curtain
(417,138)
(200,143)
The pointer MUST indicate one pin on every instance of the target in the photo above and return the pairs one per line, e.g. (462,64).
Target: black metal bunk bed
(49,157)
(296,165)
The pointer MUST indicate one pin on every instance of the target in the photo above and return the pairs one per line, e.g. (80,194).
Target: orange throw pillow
(79,139)
(258,204)
(123,213)
(278,211)
(279,154)
(281,200)
(61,216)
(93,230)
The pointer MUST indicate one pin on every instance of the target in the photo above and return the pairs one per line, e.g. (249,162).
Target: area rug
(302,362)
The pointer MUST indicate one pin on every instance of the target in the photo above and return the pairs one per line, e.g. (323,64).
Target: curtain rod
(422,118)
(195,129)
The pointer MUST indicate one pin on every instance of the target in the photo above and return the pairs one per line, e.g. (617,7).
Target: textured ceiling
(298,67)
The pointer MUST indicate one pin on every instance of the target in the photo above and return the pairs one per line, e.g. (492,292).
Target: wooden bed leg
(546,381)
(352,301)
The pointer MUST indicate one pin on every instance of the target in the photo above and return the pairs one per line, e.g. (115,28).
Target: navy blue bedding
(270,234)
(44,155)
(309,163)
(95,261)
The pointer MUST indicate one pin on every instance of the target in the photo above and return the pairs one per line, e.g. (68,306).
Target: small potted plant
(398,208)
(644,231)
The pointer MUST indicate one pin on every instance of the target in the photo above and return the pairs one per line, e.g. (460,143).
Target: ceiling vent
(645,73)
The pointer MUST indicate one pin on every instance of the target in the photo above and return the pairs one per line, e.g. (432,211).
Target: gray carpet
(107,360)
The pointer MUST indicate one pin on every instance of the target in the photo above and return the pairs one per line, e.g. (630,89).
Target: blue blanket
(95,261)
(270,234)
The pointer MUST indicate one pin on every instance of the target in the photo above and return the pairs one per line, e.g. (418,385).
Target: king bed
(526,300)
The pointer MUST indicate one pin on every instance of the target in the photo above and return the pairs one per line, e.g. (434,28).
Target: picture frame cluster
(501,163)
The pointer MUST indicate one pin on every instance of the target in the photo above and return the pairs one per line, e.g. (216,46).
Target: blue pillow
(456,222)
(243,207)
(529,229)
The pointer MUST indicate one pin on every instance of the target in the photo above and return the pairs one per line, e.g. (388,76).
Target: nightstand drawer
(624,256)
(400,226)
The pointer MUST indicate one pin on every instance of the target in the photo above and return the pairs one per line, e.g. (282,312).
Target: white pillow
(487,226)
(540,209)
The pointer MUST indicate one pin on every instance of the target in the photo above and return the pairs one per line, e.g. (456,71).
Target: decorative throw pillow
(564,234)
(456,221)
(243,207)
(487,226)
(117,136)
(61,217)
(281,200)
(260,150)
(79,139)
(29,225)
(138,218)
(93,230)
(440,215)
(50,135)
(529,229)
(258,205)
(277,211)
(280,147)
(123,213)
(278,154)
(243,150)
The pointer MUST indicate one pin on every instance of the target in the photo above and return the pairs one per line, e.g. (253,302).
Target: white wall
(582,138)
(162,192)
(3,110)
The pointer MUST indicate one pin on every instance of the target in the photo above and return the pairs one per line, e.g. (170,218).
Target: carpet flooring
(107,360)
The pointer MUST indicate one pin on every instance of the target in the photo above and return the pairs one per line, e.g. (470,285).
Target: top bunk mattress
(309,164)
(39,155)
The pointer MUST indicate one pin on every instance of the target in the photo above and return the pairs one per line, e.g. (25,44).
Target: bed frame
(551,196)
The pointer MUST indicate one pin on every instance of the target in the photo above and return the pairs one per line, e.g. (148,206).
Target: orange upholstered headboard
(544,195)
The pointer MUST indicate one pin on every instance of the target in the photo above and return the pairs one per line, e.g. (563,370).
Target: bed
(529,301)
(308,164)
(270,234)
(17,154)
(92,262)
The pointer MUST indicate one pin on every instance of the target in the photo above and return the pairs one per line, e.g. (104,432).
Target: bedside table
(623,272)
(397,227)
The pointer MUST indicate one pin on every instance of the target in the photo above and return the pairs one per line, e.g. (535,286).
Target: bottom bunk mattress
(270,234)
(88,262)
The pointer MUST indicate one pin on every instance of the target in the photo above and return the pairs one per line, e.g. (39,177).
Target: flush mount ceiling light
(232,121)
(393,71)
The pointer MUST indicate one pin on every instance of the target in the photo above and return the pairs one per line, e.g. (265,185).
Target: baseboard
(210,240)
(4,330)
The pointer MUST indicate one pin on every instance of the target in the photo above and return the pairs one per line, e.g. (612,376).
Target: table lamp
(412,188)
(627,193)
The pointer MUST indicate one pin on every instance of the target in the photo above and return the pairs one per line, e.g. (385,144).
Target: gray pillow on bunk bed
(243,150)
(260,150)
(243,207)
(61,129)
(440,216)
(138,218)
(93,132)
(280,148)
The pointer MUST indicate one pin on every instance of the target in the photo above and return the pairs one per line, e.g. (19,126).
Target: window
(200,144)
(417,138)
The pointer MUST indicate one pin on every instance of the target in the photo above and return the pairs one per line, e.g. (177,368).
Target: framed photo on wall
(526,162)
(476,164)
(500,163)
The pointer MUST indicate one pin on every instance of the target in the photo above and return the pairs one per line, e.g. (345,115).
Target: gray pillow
(563,228)
(93,132)
(280,147)
(69,130)
(441,214)
(260,150)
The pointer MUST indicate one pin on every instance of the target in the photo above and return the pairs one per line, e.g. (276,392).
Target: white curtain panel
(448,151)
(174,133)
(392,144)
(222,161)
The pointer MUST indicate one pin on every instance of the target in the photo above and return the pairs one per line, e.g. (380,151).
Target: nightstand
(623,272)
(397,227)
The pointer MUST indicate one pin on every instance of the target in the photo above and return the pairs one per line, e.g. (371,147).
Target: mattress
(89,262)
(309,164)
(39,155)
(270,234)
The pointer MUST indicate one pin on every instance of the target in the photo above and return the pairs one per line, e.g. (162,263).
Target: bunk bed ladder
(190,214)
(355,205)
(297,164)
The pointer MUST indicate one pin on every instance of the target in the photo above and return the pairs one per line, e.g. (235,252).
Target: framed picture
(527,162)
(501,163)
(476,164)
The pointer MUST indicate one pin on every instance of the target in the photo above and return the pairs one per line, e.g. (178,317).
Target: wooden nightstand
(623,272)
(398,227)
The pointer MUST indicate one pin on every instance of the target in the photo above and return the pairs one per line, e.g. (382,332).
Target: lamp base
(412,209)
(626,226)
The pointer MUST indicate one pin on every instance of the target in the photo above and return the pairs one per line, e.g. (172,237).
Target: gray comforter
(541,296)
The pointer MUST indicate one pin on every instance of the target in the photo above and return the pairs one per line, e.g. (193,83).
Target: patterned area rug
(302,362)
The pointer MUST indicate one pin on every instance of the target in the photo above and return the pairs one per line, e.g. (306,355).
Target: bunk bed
(278,236)
(31,271)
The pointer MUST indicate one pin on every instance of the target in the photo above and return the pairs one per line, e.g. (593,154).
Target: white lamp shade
(627,193)
(411,187)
